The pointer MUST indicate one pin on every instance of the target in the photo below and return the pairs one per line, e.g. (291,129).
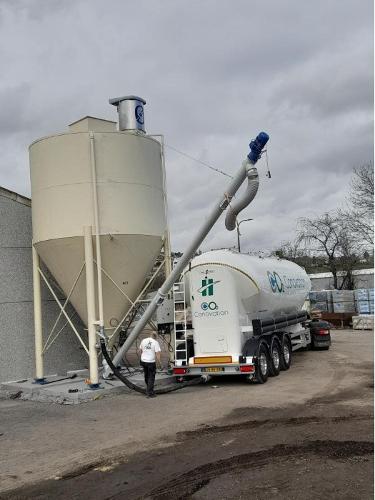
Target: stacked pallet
(319,300)
(343,301)
(364,300)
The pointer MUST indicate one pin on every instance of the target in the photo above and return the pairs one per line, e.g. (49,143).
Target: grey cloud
(328,85)
(213,74)
(13,104)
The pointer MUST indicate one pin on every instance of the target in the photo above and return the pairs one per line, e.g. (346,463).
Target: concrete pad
(61,391)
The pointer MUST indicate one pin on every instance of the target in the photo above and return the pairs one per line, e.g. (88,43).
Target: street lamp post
(239,234)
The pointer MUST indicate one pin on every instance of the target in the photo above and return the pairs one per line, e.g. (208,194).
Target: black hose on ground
(137,388)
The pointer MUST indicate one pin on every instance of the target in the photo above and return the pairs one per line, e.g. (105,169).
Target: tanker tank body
(244,308)
(98,217)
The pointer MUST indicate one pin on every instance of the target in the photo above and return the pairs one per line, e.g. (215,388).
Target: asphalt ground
(305,434)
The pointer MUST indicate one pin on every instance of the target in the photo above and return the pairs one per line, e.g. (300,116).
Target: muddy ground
(306,434)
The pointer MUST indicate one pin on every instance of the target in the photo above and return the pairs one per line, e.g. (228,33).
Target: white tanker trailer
(247,315)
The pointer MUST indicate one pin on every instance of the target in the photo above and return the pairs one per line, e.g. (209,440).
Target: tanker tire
(286,354)
(262,365)
(275,358)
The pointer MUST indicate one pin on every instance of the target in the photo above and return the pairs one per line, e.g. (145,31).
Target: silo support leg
(39,371)
(90,297)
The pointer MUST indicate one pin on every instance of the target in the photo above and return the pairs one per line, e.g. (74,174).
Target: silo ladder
(180,328)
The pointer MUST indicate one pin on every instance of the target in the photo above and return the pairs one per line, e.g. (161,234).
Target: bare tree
(359,214)
(328,234)
(362,189)
(290,250)
(293,251)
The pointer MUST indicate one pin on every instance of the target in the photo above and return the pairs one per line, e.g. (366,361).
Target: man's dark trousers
(149,372)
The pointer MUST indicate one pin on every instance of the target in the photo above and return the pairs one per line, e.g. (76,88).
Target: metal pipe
(97,232)
(38,329)
(167,285)
(90,298)
(246,199)
(256,148)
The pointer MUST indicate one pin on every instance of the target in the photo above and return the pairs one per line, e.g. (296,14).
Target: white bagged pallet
(363,322)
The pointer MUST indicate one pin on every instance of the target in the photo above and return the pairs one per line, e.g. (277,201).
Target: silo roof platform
(92,124)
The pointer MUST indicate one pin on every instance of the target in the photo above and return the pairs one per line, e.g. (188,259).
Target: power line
(199,161)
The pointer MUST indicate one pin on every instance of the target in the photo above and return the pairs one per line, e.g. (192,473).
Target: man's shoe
(152,396)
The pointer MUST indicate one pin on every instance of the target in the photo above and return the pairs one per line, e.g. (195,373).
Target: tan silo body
(118,174)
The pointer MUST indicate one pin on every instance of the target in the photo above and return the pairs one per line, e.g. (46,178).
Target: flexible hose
(138,388)
(235,208)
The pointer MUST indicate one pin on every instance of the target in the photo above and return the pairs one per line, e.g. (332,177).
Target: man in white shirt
(150,353)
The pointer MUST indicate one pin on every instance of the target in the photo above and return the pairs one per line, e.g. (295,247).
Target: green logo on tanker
(207,288)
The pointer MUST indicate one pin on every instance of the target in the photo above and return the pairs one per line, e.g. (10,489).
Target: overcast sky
(214,73)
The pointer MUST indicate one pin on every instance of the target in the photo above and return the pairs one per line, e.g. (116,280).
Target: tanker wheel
(275,358)
(262,366)
(286,354)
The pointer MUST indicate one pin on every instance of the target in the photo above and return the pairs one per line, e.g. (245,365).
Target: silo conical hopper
(112,181)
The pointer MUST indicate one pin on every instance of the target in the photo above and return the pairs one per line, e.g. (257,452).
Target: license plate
(213,369)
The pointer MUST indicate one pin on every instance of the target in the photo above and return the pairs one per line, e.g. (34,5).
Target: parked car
(320,332)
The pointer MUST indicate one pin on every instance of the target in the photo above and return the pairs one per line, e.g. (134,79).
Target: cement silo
(99,217)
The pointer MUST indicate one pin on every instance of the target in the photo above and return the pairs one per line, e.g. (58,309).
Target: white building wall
(363,278)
